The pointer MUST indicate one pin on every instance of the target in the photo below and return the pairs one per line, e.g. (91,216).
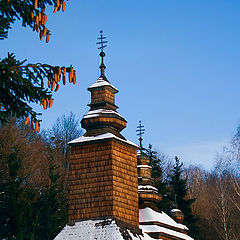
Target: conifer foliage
(22,84)
(51,207)
(33,203)
(159,181)
(15,198)
(178,192)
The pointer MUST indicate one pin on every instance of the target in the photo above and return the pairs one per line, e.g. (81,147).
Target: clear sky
(175,63)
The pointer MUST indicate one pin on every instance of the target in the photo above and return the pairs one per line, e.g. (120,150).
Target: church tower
(109,183)
(103,164)
(148,194)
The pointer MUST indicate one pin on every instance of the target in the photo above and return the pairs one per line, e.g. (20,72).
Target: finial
(140,131)
(102,53)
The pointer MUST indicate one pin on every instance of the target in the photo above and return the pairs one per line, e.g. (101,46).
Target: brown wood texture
(143,161)
(144,172)
(103,182)
(106,121)
(102,95)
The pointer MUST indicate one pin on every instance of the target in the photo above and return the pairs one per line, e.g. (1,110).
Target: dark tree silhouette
(178,193)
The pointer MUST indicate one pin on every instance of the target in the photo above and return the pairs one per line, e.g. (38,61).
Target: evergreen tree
(51,207)
(178,192)
(22,84)
(29,208)
(159,182)
(16,201)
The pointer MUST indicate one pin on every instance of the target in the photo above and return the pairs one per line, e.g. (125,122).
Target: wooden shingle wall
(106,121)
(144,172)
(102,95)
(103,182)
(125,183)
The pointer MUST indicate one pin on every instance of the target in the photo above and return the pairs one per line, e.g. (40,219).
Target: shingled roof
(108,229)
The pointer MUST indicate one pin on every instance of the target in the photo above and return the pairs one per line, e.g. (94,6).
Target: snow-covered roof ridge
(149,215)
(175,210)
(147,188)
(163,231)
(97,112)
(144,166)
(100,137)
(101,83)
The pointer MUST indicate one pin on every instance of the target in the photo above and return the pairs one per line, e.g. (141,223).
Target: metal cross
(140,131)
(102,42)
(102,54)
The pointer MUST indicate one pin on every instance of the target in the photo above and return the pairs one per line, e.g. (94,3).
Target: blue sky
(175,63)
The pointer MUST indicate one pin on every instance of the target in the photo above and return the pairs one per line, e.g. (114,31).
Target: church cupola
(102,116)
(177,215)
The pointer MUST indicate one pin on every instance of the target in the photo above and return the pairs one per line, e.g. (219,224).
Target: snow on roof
(147,215)
(109,229)
(144,166)
(155,228)
(95,230)
(91,115)
(95,113)
(100,83)
(100,137)
(146,187)
(175,210)
(140,153)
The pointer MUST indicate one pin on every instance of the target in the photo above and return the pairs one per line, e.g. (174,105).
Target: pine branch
(32,14)
(22,85)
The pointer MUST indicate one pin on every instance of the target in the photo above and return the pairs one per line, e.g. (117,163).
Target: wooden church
(111,195)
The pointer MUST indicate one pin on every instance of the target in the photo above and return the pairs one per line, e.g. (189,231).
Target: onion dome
(177,215)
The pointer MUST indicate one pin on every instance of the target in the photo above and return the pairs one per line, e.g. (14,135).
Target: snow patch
(147,187)
(144,166)
(91,115)
(175,210)
(155,228)
(95,113)
(100,137)
(100,83)
(93,230)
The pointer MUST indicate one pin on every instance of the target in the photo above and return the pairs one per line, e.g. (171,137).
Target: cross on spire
(102,54)
(102,42)
(140,131)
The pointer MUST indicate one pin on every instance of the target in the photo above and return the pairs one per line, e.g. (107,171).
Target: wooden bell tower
(103,164)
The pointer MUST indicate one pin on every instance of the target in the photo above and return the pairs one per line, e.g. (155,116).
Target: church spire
(102,54)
